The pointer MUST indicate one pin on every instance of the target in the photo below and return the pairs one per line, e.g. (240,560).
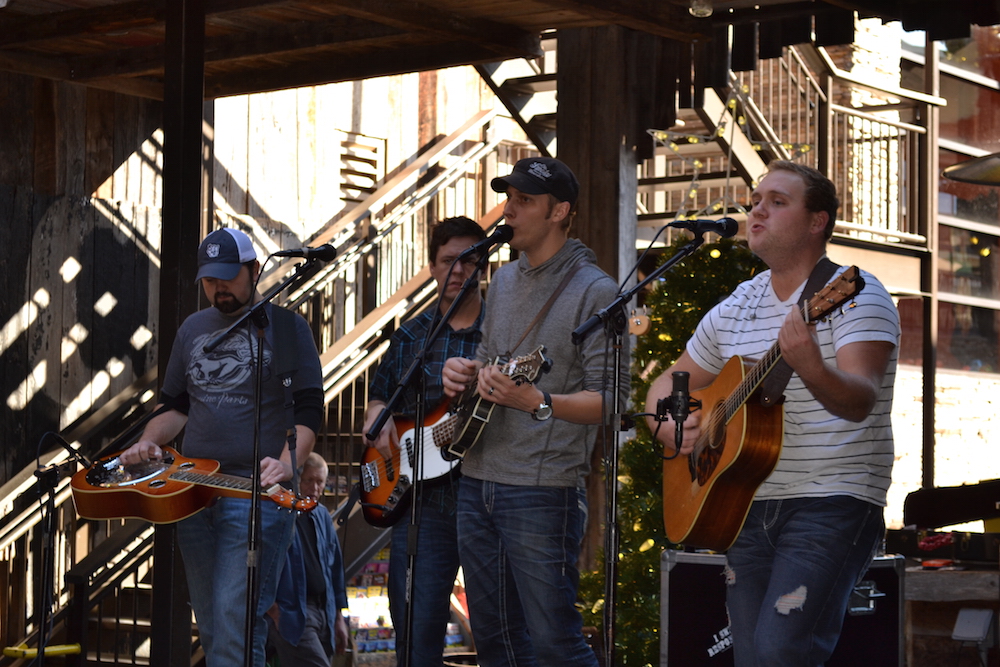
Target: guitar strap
(773,387)
(545,308)
(285,366)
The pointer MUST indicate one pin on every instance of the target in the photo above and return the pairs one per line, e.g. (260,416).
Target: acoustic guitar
(707,494)
(164,491)
(474,412)
(387,485)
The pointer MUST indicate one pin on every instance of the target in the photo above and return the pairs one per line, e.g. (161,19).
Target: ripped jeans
(790,575)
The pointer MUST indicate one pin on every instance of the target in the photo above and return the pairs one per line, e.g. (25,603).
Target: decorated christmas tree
(675,306)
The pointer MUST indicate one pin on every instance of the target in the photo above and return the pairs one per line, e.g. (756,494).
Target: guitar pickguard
(112,473)
(703,463)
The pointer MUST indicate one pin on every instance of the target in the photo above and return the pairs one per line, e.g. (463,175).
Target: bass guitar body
(163,491)
(707,494)
(387,486)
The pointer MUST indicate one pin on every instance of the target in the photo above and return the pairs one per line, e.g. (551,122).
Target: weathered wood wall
(79,193)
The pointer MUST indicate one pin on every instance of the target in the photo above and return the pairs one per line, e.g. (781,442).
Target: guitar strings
(755,376)
(430,445)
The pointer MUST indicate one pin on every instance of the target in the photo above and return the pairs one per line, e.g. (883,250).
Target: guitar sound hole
(187,465)
(703,465)
(157,483)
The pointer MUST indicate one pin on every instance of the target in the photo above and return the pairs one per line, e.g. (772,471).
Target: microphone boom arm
(616,309)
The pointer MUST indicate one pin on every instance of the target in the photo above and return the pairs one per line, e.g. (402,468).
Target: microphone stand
(413,530)
(48,480)
(613,318)
(258,316)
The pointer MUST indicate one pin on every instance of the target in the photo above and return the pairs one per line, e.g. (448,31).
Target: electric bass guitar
(707,494)
(387,486)
(474,412)
(164,491)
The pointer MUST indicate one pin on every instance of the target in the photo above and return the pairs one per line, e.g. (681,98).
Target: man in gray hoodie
(522,506)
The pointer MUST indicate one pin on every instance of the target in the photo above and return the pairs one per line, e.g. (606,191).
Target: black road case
(694,629)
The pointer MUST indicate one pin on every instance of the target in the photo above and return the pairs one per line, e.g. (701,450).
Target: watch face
(543,412)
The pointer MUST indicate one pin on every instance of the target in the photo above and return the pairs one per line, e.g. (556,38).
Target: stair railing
(802,106)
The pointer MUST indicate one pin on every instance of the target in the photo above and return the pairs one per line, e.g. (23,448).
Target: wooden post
(184,220)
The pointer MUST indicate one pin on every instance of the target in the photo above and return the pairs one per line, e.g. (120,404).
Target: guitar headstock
(288,500)
(527,368)
(838,291)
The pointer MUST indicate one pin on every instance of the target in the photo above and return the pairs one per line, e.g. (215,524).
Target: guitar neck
(443,431)
(754,378)
(216,481)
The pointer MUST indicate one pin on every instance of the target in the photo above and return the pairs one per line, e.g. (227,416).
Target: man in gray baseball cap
(213,395)
(223,252)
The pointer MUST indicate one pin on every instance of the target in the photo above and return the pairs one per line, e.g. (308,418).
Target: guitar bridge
(369,476)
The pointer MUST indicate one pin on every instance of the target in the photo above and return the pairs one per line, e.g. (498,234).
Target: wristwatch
(543,411)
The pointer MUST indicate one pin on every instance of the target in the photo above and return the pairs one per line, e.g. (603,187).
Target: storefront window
(967,263)
(968,338)
(978,54)
(977,203)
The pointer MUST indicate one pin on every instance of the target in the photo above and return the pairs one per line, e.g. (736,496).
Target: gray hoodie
(514,448)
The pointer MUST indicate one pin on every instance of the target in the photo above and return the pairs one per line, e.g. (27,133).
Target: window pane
(911,322)
(967,263)
(967,338)
(979,53)
(978,203)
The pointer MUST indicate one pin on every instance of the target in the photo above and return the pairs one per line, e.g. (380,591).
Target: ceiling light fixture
(701,8)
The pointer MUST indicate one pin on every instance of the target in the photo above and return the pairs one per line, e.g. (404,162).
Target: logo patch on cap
(212,250)
(539,170)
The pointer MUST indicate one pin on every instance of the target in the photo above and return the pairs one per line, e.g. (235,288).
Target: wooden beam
(21,30)
(40,66)
(280,40)
(653,16)
(501,38)
(336,69)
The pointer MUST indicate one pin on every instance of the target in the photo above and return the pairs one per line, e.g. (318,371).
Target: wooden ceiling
(257,45)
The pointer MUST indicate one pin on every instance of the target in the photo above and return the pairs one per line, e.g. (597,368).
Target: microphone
(502,234)
(324,253)
(680,406)
(724,227)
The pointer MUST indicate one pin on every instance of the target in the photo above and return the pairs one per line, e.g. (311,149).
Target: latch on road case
(862,602)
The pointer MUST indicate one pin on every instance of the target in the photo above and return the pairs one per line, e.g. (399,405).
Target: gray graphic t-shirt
(221,383)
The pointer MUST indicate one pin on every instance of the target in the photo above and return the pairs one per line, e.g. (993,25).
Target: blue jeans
(519,547)
(790,575)
(213,543)
(435,568)
(311,649)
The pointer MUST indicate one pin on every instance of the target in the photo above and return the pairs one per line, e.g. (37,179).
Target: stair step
(528,85)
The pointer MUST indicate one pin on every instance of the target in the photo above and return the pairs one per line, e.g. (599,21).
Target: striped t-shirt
(823,455)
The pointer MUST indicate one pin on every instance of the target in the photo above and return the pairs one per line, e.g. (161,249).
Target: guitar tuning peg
(638,322)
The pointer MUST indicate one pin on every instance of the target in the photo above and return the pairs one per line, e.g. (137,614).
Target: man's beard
(229,305)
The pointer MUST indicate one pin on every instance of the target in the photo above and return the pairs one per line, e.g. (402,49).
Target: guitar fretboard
(217,481)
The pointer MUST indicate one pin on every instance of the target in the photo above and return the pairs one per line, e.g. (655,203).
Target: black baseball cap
(223,252)
(541,175)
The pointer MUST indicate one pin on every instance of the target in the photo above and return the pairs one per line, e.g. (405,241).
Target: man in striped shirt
(816,521)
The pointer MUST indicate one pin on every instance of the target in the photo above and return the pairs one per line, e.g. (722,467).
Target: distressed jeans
(519,547)
(213,543)
(790,575)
